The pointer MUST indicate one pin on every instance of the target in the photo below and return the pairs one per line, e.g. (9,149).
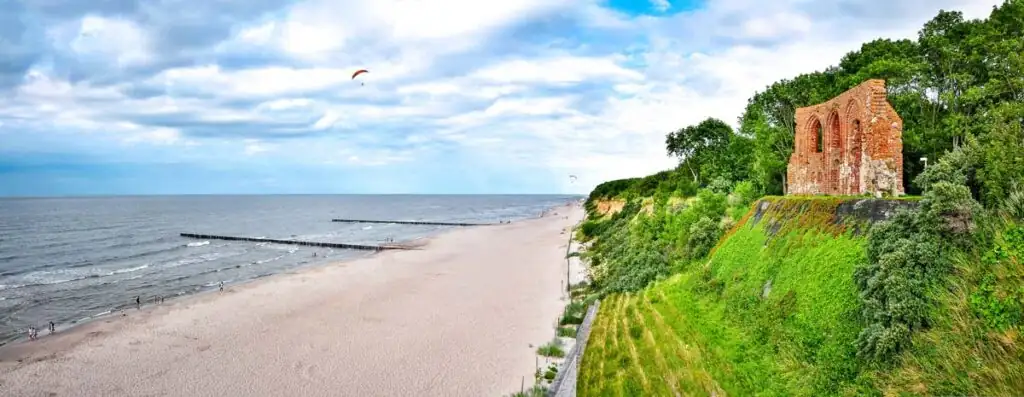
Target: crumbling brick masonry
(850,145)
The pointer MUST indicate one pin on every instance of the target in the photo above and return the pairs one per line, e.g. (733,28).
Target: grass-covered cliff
(776,309)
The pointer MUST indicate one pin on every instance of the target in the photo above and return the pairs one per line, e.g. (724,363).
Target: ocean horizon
(69,259)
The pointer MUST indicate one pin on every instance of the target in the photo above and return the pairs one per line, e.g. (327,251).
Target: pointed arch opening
(833,154)
(817,136)
(856,144)
(834,132)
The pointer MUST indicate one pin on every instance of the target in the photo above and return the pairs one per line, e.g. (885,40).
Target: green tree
(700,145)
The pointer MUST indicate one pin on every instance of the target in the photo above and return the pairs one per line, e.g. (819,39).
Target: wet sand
(454,318)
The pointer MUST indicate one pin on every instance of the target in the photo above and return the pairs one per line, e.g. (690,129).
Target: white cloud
(326,121)
(155,136)
(259,34)
(254,147)
(117,42)
(267,81)
(661,5)
(285,104)
(775,25)
(565,69)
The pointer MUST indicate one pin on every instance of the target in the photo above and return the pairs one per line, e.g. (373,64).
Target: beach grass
(555,348)
(567,331)
(535,391)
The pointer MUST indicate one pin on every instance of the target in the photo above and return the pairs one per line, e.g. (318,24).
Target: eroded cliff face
(850,145)
(609,207)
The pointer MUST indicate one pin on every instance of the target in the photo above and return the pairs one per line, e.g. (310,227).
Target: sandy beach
(460,317)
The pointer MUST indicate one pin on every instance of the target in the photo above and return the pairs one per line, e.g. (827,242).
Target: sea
(70,260)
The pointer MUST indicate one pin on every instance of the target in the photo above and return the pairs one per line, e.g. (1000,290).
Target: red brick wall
(862,147)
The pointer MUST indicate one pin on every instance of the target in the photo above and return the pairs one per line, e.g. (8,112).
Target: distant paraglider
(572,178)
(359,72)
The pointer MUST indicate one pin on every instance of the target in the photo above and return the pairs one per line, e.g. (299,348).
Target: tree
(700,145)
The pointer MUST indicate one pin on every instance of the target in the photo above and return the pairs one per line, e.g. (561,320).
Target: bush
(703,236)
(906,256)
(1013,206)
(550,374)
(573,314)
(720,185)
(743,193)
(592,227)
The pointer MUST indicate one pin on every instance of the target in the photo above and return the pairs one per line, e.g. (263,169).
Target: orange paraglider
(359,72)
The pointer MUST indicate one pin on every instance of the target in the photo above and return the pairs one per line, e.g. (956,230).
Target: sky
(462,96)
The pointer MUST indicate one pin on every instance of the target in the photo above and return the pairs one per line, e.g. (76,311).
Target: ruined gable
(850,145)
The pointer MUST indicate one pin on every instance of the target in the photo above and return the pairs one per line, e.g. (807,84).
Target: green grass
(708,330)
(535,391)
(573,314)
(567,332)
(555,348)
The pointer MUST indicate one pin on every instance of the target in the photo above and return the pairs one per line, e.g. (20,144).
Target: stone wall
(850,145)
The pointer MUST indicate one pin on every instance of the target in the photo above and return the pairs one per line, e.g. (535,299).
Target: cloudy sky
(463,96)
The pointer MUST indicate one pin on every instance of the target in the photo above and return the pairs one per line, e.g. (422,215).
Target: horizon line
(2,197)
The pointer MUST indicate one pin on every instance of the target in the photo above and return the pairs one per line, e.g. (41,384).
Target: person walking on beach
(221,284)
(138,302)
(53,328)
(31,333)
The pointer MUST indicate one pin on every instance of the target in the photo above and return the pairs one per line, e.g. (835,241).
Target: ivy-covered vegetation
(706,294)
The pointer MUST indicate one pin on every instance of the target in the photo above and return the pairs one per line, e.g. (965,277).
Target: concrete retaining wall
(564,384)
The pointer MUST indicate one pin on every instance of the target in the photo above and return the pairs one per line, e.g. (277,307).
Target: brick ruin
(850,145)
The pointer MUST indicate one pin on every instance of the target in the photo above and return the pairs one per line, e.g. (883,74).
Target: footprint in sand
(306,372)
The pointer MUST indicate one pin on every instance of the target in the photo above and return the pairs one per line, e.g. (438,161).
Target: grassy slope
(708,329)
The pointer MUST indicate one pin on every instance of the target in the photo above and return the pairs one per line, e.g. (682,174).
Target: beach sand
(455,318)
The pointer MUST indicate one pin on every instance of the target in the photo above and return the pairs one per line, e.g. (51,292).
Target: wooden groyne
(412,222)
(295,242)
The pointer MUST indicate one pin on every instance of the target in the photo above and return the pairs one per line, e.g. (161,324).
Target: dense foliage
(628,251)
(907,256)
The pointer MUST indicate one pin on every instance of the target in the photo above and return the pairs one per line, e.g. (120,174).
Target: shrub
(906,256)
(550,374)
(720,185)
(1013,206)
(743,193)
(593,227)
(573,314)
(703,236)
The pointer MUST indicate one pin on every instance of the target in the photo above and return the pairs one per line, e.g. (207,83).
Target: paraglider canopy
(572,178)
(359,72)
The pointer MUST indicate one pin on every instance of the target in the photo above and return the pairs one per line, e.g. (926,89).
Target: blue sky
(255,96)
